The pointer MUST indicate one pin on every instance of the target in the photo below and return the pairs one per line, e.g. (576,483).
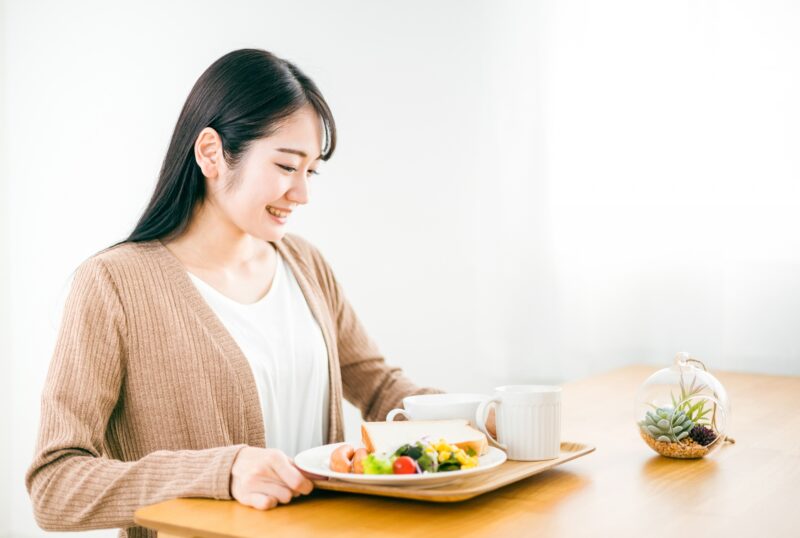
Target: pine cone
(703,435)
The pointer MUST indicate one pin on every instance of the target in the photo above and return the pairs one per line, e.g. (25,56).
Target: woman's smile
(278,215)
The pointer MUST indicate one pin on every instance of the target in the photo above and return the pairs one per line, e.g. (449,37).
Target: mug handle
(394,412)
(480,420)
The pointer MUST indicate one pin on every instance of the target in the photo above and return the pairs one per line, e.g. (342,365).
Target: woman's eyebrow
(297,152)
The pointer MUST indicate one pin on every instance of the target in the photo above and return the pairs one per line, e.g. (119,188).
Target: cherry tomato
(404,465)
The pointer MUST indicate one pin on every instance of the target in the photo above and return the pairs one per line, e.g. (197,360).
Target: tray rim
(446,493)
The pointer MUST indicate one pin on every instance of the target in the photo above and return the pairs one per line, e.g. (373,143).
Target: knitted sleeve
(368,382)
(72,482)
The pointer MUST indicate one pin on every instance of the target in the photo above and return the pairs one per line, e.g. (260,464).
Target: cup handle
(480,420)
(394,412)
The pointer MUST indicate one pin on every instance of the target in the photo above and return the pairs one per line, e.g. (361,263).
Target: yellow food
(445,451)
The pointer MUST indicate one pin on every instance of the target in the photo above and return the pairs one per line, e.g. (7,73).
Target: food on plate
(376,464)
(387,436)
(358,460)
(412,447)
(342,459)
(405,465)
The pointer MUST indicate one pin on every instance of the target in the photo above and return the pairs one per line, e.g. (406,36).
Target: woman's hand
(490,423)
(264,477)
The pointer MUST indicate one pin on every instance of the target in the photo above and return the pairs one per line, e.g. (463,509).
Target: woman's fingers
(261,501)
(273,489)
(311,476)
(290,476)
(491,425)
(262,478)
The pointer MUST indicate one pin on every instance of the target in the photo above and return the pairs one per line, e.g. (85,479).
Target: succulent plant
(667,424)
(704,436)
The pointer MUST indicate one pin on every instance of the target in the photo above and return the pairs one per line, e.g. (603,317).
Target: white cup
(528,419)
(439,407)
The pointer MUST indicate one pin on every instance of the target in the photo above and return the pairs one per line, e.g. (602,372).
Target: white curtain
(645,186)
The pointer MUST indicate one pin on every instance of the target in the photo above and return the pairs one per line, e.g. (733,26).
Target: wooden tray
(468,487)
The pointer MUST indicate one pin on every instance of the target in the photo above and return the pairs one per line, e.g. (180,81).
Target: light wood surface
(751,488)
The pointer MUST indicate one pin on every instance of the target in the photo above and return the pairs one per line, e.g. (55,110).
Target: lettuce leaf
(377,465)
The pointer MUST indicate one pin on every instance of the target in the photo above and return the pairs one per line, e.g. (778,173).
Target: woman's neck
(212,242)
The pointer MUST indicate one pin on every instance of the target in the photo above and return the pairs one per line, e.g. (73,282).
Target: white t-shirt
(284,345)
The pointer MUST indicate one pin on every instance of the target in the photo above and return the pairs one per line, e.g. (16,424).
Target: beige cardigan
(149,398)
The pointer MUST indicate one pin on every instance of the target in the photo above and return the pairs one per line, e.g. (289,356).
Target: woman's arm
(72,482)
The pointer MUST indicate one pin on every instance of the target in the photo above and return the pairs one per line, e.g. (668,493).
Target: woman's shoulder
(122,259)
(106,277)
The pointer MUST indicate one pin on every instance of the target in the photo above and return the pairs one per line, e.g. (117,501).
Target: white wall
(6,474)
(520,193)
(671,141)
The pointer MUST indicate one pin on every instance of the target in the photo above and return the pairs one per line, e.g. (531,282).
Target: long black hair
(243,96)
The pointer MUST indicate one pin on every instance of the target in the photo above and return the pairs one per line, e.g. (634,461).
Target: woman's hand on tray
(264,477)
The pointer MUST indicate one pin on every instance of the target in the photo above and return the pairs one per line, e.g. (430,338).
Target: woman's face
(271,180)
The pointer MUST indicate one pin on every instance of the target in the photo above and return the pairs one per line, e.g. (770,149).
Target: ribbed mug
(528,421)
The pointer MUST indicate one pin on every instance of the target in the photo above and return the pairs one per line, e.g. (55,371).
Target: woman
(198,356)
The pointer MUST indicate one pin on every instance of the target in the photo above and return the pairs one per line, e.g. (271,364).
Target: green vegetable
(415,451)
(377,465)
(428,463)
(412,451)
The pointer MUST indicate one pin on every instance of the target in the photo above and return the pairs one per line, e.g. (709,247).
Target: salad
(422,456)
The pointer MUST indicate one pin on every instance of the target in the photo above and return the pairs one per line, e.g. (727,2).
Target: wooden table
(751,488)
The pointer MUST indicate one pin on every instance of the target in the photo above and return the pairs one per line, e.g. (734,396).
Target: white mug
(439,406)
(528,419)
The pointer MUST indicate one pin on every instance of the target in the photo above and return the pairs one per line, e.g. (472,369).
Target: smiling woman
(242,99)
(199,355)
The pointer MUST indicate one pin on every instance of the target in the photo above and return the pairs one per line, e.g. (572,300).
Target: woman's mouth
(278,215)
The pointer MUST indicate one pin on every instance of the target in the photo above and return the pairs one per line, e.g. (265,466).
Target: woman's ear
(208,152)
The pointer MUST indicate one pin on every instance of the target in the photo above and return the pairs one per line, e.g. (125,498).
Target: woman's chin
(272,235)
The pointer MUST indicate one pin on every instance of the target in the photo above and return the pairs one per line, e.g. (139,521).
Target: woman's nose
(299,191)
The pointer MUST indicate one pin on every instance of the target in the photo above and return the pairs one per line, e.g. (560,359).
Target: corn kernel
(444,455)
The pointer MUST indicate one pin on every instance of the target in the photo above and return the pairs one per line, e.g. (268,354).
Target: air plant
(697,411)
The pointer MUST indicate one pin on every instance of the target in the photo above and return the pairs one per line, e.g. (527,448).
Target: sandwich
(388,436)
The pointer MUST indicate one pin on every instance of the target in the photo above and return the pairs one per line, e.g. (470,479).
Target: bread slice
(389,436)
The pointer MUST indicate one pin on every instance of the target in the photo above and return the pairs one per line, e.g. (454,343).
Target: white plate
(317,460)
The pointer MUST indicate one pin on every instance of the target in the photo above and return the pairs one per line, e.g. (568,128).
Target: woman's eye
(291,170)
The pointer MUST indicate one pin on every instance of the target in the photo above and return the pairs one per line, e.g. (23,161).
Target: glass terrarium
(683,411)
